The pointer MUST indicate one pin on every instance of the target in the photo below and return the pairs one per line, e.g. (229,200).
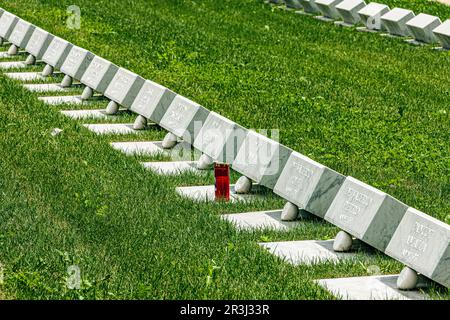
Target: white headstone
(152,101)
(99,74)
(294,4)
(442,33)
(7,23)
(328,8)
(371,15)
(39,42)
(309,6)
(76,62)
(220,138)
(423,243)
(308,184)
(366,213)
(261,159)
(124,87)
(422,26)
(395,21)
(184,118)
(56,52)
(21,33)
(348,10)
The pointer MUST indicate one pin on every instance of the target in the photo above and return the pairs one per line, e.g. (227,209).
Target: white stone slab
(395,21)
(21,33)
(371,15)
(39,42)
(442,33)
(307,252)
(369,288)
(259,220)
(328,8)
(220,138)
(309,6)
(76,62)
(99,74)
(261,159)
(87,114)
(25,76)
(366,213)
(12,65)
(62,100)
(423,243)
(152,101)
(308,184)
(7,22)
(56,52)
(173,167)
(45,87)
(121,85)
(184,118)
(348,10)
(5,54)
(422,26)
(144,148)
(112,128)
(207,193)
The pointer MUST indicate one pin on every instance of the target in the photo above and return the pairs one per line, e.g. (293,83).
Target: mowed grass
(371,107)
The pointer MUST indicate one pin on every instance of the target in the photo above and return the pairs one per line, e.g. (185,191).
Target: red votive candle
(222,175)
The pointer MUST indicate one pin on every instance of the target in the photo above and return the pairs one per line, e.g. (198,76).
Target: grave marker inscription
(152,101)
(220,138)
(308,184)
(366,213)
(184,118)
(261,159)
(422,26)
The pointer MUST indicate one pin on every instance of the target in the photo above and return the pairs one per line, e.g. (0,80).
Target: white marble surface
(87,114)
(45,87)
(62,100)
(145,148)
(259,220)
(369,288)
(25,76)
(12,65)
(112,128)
(306,252)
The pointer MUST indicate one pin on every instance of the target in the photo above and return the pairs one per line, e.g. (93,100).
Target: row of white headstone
(417,240)
(423,28)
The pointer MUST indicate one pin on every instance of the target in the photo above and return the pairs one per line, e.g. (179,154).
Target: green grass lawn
(368,106)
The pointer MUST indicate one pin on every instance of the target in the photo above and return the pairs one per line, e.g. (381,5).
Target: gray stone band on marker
(106,80)
(84,65)
(27,37)
(162,106)
(133,92)
(11,28)
(44,47)
(64,55)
